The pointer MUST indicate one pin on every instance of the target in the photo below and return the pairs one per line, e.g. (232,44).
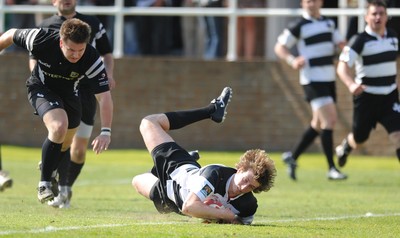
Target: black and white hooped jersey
(98,35)
(54,70)
(374,57)
(210,181)
(316,41)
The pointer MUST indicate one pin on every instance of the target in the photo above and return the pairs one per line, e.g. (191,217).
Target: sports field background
(105,205)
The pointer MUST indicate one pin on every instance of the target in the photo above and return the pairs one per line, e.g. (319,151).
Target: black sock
(308,137)
(180,119)
(50,155)
(398,154)
(73,172)
(63,167)
(327,146)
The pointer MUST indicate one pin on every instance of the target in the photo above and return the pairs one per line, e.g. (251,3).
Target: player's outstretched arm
(6,39)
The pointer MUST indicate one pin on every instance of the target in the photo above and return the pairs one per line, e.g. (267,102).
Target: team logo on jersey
(394,43)
(103,76)
(74,74)
(206,190)
(329,25)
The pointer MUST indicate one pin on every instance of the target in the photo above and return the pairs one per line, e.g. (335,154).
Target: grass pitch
(104,204)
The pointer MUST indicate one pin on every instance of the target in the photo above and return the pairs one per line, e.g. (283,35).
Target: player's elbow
(279,49)
(186,209)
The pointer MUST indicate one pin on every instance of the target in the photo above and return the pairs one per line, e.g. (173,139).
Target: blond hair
(262,165)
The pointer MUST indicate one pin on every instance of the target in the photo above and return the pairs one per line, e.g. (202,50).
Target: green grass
(105,205)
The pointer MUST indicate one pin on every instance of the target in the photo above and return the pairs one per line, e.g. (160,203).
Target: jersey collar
(310,18)
(372,33)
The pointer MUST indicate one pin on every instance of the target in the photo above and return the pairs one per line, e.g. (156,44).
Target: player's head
(65,7)
(376,16)
(74,36)
(258,166)
(312,7)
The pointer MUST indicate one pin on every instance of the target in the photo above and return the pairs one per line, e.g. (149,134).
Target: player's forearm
(344,74)
(200,210)
(106,109)
(282,52)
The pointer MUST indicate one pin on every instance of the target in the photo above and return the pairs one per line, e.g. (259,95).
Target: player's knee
(136,184)
(331,122)
(146,122)
(78,155)
(134,181)
(58,129)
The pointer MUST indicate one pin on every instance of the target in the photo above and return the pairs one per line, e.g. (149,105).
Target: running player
(73,161)
(64,61)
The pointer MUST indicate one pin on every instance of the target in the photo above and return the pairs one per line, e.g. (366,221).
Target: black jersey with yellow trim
(54,70)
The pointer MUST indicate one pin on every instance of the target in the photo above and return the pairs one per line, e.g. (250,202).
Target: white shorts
(320,102)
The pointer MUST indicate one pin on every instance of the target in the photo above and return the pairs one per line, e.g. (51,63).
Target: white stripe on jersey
(76,85)
(96,68)
(316,28)
(100,33)
(41,75)
(378,70)
(30,38)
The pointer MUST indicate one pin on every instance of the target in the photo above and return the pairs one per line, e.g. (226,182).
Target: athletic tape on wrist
(105,131)
(290,59)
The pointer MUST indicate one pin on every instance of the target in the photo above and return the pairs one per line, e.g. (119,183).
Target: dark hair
(75,30)
(378,3)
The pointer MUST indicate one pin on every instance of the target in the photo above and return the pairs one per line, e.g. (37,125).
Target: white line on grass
(55,229)
(368,214)
(69,228)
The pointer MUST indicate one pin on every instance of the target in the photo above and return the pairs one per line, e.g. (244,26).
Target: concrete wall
(267,111)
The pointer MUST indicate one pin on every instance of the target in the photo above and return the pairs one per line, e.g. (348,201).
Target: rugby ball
(214,203)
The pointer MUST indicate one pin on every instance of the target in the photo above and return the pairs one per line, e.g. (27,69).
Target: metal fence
(231,12)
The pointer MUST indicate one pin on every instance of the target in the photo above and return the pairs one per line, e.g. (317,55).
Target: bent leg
(327,116)
(154,130)
(56,122)
(143,183)
(78,149)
